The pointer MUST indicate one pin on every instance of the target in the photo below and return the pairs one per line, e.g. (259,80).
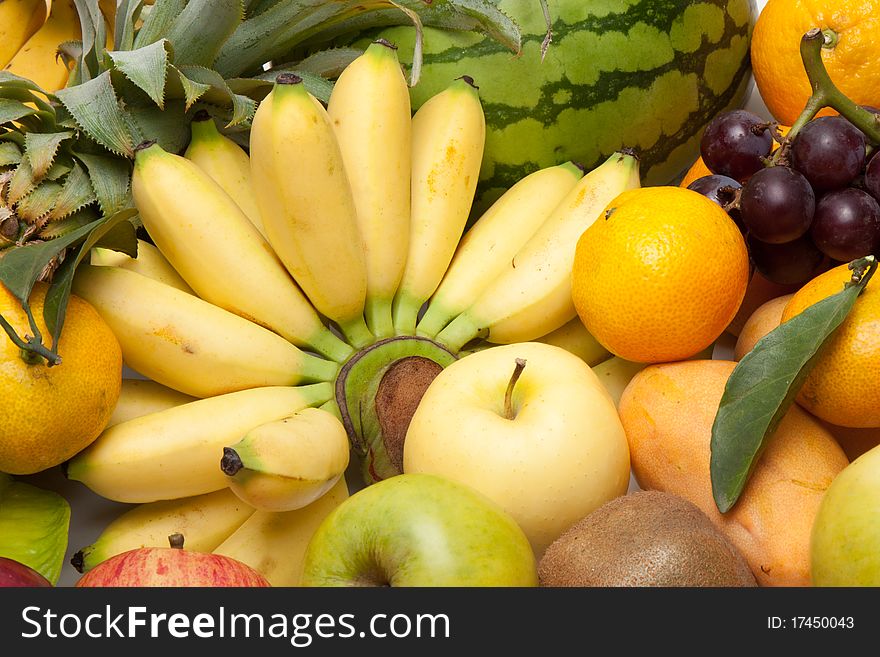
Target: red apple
(171,566)
(13,573)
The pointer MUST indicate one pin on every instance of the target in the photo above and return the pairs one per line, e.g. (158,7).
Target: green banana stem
(366,389)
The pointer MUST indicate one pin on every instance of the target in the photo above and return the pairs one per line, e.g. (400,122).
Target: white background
(91,513)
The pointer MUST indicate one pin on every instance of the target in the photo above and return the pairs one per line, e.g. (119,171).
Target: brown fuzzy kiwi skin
(646,538)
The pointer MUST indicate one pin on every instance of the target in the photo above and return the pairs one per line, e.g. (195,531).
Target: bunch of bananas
(286,285)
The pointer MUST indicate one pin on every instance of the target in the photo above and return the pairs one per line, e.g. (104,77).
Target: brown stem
(508,395)
(176,541)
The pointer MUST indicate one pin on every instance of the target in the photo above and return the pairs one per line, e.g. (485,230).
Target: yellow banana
(218,252)
(288,464)
(204,520)
(306,203)
(574,337)
(149,262)
(226,163)
(37,59)
(138,397)
(188,344)
(174,453)
(494,240)
(448,134)
(532,296)
(20,20)
(275,543)
(370,112)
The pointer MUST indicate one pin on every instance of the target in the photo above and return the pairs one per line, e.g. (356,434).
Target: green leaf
(257,7)
(190,90)
(146,67)
(59,169)
(13,110)
(65,226)
(127,14)
(41,148)
(157,23)
(243,108)
(272,34)
(38,203)
(328,63)
(22,183)
(94,37)
(94,106)
(8,79)
(197,41)
(76,193)
(121,237)
(110,178)
(26,96)
(9,154)
(21,267)
(765,382)
(112,229)
(164,127)
(34,525)
(71,53)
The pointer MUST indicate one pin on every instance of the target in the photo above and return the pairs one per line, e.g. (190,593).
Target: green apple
(845,544)
(531,427)
(418,530)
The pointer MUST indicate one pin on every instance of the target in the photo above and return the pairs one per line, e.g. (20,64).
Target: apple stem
(508,395)
(176,541)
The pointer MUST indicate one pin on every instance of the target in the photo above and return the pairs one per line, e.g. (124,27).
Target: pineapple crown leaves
(68,154)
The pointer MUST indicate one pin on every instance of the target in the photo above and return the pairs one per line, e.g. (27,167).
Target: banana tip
(288,78)
(469,80)
(231,462)
(78,561)
(386,43)
(144,145)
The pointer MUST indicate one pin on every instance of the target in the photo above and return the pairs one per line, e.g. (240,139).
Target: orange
(659,276)
(851,54)
(51,413)
(843,388)
(698,170)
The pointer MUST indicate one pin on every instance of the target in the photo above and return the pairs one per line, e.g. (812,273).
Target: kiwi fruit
(647,538)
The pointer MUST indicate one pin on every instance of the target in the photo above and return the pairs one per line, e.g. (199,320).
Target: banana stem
(826,94)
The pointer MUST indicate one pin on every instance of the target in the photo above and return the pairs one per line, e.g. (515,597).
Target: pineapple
(65,156)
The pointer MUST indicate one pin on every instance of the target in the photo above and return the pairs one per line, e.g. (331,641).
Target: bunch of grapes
(813,207)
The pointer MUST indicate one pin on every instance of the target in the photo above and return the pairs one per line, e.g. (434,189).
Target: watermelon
(644,74)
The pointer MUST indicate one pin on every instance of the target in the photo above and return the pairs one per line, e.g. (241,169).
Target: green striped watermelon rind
(649,78)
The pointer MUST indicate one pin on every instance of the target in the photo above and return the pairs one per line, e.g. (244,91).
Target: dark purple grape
(721,190)
(847,224)
(872,177)
(777,205)
(829,151)
(734,143)
(791,263)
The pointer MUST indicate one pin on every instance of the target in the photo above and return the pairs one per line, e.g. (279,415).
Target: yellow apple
(543,440)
